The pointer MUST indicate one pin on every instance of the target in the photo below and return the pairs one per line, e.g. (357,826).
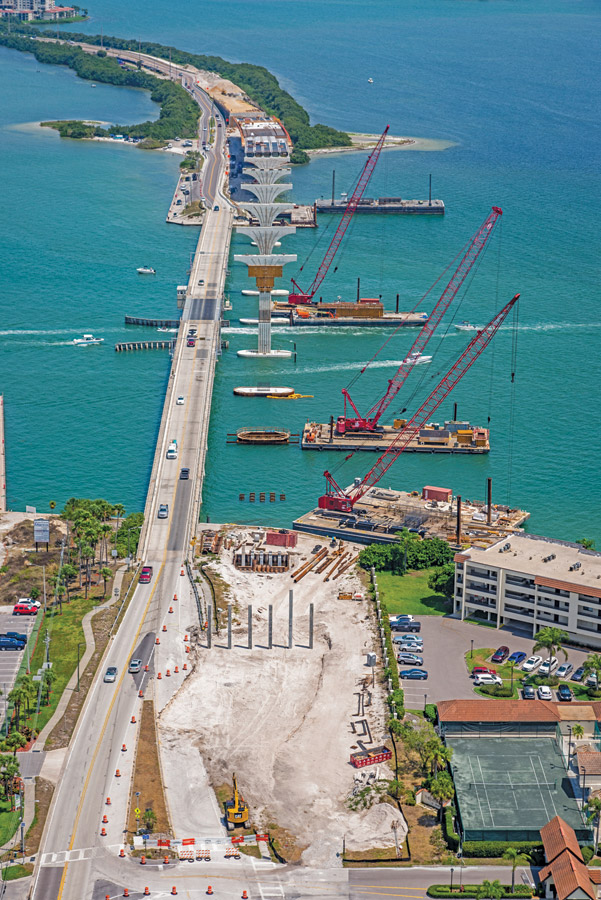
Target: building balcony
(482,588)
(518,581)
(522,598)
(482,573)
(480,602)
(520,612)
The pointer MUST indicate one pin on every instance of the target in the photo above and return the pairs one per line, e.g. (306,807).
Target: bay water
(509,87)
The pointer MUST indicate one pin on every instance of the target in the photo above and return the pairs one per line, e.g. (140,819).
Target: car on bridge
(146,574)
(135,666)
(179,401)
(184,474)
(163,512)
(111,674)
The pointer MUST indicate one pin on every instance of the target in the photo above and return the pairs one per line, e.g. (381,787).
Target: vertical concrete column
(209,626)
(311,616)
(290,615)
(229,626)
(250,627)
(264,345)
(270,627)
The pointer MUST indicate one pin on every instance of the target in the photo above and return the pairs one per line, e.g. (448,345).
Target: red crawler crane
(370,421)
(335,498)
(307,296)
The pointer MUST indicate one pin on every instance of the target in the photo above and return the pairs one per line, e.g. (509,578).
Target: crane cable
(514,363)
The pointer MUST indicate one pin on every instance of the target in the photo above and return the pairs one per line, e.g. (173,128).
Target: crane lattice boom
(475,248)
(335,498)
(307,296)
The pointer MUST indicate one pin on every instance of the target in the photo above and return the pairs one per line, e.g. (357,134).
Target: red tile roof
(569,874)
(589,762)
(595,875)
(558,836)
(497,711)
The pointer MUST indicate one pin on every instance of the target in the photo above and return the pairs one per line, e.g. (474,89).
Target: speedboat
(370,81)
(167,330)
(416,360)
(466,326)
(87,339)
(146,270)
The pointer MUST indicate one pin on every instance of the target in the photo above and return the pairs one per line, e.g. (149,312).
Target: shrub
(409,798)
(587,854)
(594,693)
(494,849)
(431,712)
(472,890)
(451,836)
(497,690)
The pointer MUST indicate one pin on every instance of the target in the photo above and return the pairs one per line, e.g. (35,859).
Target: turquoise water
(512,85)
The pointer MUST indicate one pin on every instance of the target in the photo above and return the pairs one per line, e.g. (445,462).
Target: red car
(501,655)
(23,609)
(146,575)
(483,670)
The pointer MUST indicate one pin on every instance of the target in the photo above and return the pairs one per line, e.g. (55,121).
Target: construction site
(294,625)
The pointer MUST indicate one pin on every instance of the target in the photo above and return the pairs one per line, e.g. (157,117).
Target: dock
(380,514)
(144,345)
(451,437)
(152,323)
(386,206)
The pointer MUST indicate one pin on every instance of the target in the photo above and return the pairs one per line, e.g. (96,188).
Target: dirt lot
(280,718)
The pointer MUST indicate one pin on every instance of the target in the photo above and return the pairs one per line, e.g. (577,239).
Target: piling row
(144,345)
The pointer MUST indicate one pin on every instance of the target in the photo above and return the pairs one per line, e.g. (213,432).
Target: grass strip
(147,780)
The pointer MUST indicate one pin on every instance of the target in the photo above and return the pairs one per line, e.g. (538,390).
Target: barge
(386,205)
(451,437)
(368,312)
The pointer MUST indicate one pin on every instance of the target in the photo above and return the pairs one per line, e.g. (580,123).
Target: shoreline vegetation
(176,116)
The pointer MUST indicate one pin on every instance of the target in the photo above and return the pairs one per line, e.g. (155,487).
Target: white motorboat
(417,360)
(278,293)
(167,330)
(274,321)
(146,270)
(249,293)
(466,326)
(86,340)
(263,391)
(370,81)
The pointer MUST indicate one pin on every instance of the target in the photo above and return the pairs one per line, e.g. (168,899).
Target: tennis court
(508,788)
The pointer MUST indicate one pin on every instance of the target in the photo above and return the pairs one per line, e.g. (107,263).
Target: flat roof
(526,554)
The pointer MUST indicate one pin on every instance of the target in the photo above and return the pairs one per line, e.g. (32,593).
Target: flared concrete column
(264,343)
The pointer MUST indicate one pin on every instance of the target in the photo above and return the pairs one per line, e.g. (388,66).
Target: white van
(172,450)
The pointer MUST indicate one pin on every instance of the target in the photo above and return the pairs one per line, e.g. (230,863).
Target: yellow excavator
(236,809)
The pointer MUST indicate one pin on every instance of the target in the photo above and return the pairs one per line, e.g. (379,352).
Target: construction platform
(381,513)
(451,437)
(385,205)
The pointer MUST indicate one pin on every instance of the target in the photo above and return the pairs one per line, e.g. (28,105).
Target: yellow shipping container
(399,423)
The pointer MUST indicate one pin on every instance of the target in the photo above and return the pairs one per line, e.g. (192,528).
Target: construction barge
(451,437)
(366,312)
(384,205)
(382,513)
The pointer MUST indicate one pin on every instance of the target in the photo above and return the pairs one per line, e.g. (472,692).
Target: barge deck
(452,437)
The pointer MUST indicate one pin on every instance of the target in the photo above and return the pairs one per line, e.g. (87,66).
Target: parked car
(591,681)
(528,692)
(415,674)
(564,692)
(215,208)
(409,659)
(405,626)
(531,663)
(24,609)
(7,643)
(517,658)
(22,638)
(404,642)
(500,655)
(564,670)
(111,674)
(548,666)
(163,512)
(483,670)
(402,617)
(135,666)
(578,674)
(487,678)
(544,692)
(29,601)
(146,574)
(184,474)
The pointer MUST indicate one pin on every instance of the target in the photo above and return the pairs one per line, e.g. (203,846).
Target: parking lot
(446,641)
(10,660)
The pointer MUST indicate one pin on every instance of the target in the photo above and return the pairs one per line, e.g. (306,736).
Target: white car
(27,601)
(487,679)
(179,401)
(544,692)
(548,666)
(531,664)
(591,681)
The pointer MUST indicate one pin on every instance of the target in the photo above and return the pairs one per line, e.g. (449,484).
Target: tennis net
(514,786)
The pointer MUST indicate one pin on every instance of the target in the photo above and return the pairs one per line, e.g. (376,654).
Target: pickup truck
(172,450)
(7,643)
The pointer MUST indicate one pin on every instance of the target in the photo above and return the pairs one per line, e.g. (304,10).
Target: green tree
(14,742)
(9,769)
(68,572)
(593,811)
(586,543)
(551,639)
(442,580)
(48,678)
(437,755)
(577,731)
(442,788)
(34,593)
(105,574)
(149,818)
(592,666)
(490,890)
(515,858)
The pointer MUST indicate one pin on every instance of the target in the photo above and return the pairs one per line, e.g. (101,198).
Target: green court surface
(508,788)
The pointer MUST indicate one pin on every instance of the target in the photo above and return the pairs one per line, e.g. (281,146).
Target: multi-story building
(528,581)
(29,10)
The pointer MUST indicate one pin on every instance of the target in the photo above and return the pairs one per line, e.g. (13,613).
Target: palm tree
(438,756)
(104,531)
(149,819)
(515,858)
(67,573)
(9,768)
(119,511)
(592,665)
(490,890)
(551,639)
(48,677)
(577,731)
(105,573)
(18,697)
(14,742)
(593,809)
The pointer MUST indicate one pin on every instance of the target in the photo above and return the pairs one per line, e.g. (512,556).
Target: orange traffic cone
(168,673)
(170,609)
(175,598)
(117,774)
(108,801)
(165,860)
(182,571)
(133,720)
(164,628)
(123,748)
(146,668)
(140,693)
(173,891)
(185,667)
(105,820)
(209,890)
(176,670)
(188,649)
(157,641)
(126,892)
(159,676)
(185,637)
(143,861)
(121,853)
(244,895)
(146,892)
(103,832)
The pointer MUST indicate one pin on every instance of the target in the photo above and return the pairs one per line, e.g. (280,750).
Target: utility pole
(47,642)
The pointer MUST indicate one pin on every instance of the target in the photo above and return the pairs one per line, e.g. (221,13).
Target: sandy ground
(281,718)
(392,142)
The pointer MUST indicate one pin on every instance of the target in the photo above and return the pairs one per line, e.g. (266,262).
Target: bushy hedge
(410,552)
(431,712)
(471,890)
(497,690)
(450,835)
(494,849)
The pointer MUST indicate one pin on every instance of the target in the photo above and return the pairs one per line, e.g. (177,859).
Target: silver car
(111,674)
(163,512)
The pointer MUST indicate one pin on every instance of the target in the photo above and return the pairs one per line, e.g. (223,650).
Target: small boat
(370,81)
(249,293)
(167,330)
(417,360)
(146,270)
(466,326)
(274,321)
(93,85)
(280,293)
(86,340)
(263,391)
(290,397)
(262,436)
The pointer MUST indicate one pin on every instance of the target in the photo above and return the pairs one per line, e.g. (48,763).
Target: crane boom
(335,498)
(475,248)
(306,296)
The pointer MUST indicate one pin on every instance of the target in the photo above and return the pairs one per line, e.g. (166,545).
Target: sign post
(41,533)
